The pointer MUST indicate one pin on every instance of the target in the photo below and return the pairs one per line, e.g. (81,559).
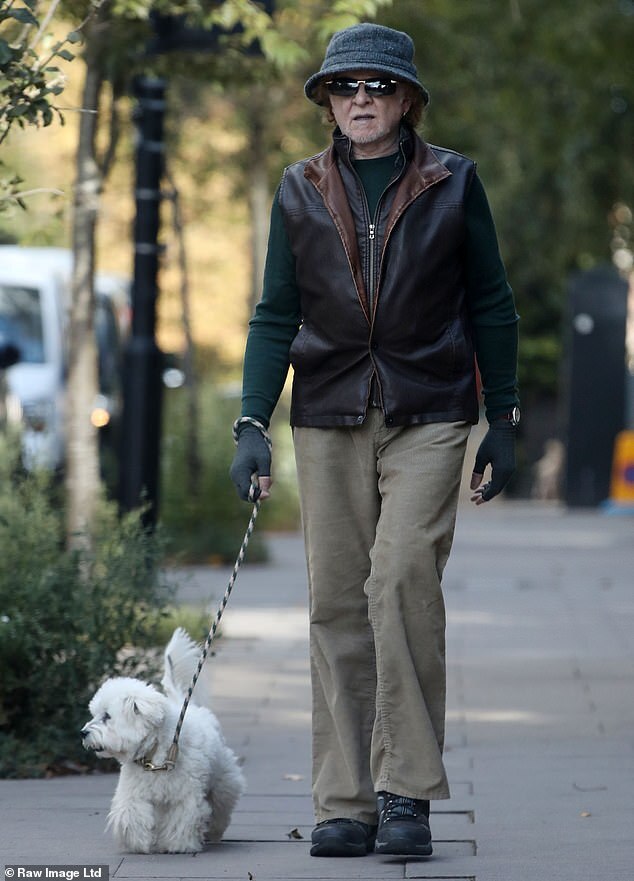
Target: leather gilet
(383,298)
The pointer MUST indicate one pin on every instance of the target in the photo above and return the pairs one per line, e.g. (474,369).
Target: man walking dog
(383,285)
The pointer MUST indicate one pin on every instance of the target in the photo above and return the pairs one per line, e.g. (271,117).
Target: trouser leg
(419,480)
(337,480)
(378,520)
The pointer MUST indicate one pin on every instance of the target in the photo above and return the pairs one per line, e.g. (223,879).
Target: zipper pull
(371,232)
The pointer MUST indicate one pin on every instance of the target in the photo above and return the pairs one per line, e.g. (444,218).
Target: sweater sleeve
(491,307)
(273,327)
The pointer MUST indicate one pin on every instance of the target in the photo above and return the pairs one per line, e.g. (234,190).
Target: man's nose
(362,96)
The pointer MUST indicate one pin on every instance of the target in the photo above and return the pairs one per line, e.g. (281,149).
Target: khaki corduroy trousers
(378,511)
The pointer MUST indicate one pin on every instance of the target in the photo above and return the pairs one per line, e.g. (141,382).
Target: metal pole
(143,361)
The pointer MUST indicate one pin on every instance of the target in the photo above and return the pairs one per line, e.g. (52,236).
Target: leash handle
(254,489)
(173,750)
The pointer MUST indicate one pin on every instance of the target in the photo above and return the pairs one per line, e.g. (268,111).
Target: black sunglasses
(346,88)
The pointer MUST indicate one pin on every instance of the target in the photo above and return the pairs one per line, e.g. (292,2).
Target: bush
(206,521)
(70,619)
(67,620)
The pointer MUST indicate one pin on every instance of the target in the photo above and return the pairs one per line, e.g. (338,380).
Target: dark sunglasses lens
(380,87)
(343,88)
(347,88)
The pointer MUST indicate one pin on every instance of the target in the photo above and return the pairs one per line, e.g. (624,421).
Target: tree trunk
(259,196)
(82,456)
(193,463)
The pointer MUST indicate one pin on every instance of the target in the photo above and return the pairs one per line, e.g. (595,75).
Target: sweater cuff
(496,353)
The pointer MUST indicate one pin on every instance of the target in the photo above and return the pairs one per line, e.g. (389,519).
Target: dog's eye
(105,717)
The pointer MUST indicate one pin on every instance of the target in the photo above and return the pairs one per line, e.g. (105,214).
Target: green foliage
(196,620)
(201,512)
(29,78)
(67,620)
(10,190)
(344,13)
(13,195)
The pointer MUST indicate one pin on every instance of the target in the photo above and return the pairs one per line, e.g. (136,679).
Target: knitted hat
(368,47)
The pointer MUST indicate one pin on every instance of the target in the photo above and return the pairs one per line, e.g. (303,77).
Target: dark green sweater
(489,299)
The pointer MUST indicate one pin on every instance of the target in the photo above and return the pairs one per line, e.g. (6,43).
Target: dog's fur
(169,811)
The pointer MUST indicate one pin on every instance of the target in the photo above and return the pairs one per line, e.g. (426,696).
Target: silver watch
(513,416)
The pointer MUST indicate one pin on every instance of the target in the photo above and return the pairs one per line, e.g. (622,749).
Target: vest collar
(428,169)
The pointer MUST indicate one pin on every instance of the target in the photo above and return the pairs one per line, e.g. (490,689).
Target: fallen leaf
(585,814)
(294,833)
(293,777)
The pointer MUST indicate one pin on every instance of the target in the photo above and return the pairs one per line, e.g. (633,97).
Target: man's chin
(363,132)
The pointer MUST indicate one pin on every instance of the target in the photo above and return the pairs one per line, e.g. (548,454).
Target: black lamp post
(142,385)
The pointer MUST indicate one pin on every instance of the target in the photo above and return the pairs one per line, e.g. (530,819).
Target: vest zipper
(372,293)
(372,271)
(371,256)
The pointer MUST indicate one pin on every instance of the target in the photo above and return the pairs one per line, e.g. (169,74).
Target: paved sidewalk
(540,746)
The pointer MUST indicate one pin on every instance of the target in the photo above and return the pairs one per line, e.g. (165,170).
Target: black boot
(403,825)
(342,838)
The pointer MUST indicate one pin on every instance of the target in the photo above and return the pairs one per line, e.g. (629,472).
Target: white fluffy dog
(165,811)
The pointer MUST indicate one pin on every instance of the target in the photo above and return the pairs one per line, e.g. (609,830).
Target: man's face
(371,123)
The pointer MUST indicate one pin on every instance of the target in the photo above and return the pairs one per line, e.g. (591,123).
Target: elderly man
(383,284)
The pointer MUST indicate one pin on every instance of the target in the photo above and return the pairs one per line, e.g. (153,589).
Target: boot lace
(400,806)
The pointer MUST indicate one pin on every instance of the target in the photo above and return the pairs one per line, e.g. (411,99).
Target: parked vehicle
(34,317)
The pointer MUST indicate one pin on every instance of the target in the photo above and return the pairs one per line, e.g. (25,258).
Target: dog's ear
(149,706)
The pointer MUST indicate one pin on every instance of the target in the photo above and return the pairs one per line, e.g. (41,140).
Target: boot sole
(335,848)
(402,847)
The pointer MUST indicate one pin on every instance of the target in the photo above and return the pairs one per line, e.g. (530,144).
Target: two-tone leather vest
(383,298)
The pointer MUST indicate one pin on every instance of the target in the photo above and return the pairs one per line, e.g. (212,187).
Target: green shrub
(70,619)
(67,620)
(195,619)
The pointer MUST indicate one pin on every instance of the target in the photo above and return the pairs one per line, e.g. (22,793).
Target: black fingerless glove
(253,456)
(497,450)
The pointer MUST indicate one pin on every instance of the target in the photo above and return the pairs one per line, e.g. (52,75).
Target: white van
(34,316)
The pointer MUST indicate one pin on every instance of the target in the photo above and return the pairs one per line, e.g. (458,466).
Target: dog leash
(172,752)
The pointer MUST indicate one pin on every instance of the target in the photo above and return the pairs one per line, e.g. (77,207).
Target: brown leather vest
(381,297)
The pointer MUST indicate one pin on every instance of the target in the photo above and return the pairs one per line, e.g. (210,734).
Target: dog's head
(126,716)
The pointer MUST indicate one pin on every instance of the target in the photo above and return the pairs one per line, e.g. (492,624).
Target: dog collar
(147,764)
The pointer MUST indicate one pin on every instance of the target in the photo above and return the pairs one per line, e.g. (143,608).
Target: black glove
(253,456)
(498,450)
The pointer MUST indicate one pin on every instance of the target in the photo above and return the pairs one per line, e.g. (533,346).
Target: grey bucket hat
(368,47)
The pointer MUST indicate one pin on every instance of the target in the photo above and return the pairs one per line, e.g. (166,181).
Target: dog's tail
(181,659)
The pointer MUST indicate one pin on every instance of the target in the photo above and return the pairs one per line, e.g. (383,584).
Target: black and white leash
(172,753)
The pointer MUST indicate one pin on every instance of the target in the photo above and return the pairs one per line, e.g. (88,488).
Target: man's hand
(252,462)
(498,450)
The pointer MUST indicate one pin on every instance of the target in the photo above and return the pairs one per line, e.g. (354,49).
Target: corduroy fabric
(378,510)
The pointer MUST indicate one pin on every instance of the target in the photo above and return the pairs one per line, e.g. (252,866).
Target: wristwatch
(513,416)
